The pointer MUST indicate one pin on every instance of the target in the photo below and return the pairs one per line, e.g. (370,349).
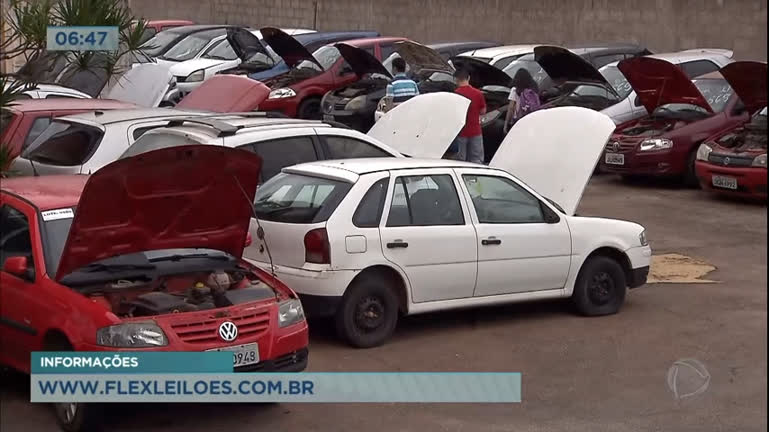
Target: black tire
(309,109)
(600,288)
(690,175)
(368,313)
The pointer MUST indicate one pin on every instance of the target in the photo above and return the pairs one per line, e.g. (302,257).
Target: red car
(733,162)
(298,92)
(159,268)
(683,114)
(23,121)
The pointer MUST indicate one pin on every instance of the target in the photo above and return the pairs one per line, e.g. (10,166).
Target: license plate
(242,355)
(328,117)
(615,158)
(724,182)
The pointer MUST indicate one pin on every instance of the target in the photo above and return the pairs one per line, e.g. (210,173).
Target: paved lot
(591,374)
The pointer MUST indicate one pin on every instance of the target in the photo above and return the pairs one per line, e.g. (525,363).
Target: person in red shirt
(469,144)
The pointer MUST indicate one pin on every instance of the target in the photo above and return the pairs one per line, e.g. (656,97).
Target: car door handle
(397,244)
(491,241)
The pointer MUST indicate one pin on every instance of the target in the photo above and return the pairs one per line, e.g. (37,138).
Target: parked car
(366,240)
(83,143)
(694,63)
(298,93)
(733,162)
(25,120)
(499,56)
(54,91)
(163,41)
(153,27)
(282,142)
(73,279)
(683,114)
(448,50)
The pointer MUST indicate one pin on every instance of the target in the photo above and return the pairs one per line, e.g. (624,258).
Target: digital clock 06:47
(82,38)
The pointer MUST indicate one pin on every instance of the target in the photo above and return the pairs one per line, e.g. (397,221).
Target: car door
(18,334)
(521,246)
(429,235)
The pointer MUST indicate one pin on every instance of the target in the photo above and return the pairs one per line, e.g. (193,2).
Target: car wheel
(600,287)
(368,313)
(690,176)
(74,417)
(309,109)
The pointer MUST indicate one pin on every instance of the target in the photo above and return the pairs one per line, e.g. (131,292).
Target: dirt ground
(579,374)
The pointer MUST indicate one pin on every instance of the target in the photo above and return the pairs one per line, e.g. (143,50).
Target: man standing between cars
(469,143)
(401,88)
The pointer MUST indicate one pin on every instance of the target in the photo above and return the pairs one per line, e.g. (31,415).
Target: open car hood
(226,93)
(244,43)
(482,74)
(658,82)
(560,64)
(144,85)
(423,126)
(419,57)
(289,49)
(360,61)
(555,151)
(178,197)
(748,80)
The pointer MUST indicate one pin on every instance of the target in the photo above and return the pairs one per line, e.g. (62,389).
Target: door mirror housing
(17,266)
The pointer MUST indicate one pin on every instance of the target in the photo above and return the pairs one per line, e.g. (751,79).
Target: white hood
(423,126)
(185,68)
(555,151)
(144,85)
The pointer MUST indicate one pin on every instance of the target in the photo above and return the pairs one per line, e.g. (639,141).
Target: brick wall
(662,25)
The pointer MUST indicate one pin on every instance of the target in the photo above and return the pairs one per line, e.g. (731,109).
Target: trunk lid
(748,80)
(360,61)
(226,93)
(289,49)
(555,151)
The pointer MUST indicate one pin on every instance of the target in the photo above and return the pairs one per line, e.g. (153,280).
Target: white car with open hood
(364,240)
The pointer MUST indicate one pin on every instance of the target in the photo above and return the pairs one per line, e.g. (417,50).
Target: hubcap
(67,411)
(601,288)
(369,314)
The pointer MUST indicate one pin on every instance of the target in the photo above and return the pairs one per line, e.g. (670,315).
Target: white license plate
(328,117)
(615,158)
(724,182)
(242,355)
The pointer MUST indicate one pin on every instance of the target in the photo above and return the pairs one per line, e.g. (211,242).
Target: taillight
(316,247)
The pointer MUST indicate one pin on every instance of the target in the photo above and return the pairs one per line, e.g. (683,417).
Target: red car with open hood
(144,254)
(733,162)
(683,114)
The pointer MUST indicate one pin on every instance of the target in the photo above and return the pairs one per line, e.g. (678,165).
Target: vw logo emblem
(228,331)
(615,146)
(727,160)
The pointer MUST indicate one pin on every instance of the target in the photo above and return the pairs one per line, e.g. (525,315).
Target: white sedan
(365,240)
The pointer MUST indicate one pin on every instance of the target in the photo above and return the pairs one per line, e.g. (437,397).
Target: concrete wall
(662,25)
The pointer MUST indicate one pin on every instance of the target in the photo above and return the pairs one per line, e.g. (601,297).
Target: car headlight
(290,312)
(759,161)
(656,144)
(282,93)
(703,152)
(198,75)
(141,334)
(489,117)
(356,103)
(642,238)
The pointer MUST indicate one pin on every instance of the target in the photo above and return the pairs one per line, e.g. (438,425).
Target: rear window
(156,141)
(293,198)
(716,91)
(65,144)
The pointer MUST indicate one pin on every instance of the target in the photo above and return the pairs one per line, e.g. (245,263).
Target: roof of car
(197,28)
(502,50)
(68,104)
(683,56)
(369,41)
(308,38)
(121,115)
(47,192)
(463,45)
(164,22)
(207,125)
(351,168)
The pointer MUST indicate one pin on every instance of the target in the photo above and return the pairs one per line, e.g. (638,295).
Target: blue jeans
(469,149)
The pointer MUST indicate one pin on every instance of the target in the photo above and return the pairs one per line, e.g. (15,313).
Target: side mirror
(17,266)
(249,240)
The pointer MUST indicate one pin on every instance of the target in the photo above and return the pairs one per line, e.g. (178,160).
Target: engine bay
(752,136)
(652,127)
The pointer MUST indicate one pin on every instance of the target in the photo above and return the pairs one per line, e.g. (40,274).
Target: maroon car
(683,114)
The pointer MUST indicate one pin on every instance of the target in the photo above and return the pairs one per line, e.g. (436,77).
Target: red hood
(226,93)
(658,82)
(178,197)
(748,80)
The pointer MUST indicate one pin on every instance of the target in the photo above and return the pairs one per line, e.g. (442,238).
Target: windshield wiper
(100,267)
(178,257)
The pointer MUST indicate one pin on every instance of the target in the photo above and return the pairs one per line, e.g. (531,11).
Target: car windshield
(527,62)
(617,80)
(158,43)
(221,50)
(594,96)
(190,46)
(325,55)
(716,91)
(293,198)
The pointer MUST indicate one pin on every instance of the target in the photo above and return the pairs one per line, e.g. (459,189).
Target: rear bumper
(320,283)
(751,181)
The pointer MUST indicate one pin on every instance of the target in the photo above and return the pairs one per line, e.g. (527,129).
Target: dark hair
(462,74)
(399,65)
(523,80)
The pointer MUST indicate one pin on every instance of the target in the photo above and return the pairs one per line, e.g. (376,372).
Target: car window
(221,50)
(716,91)
(504,61)
(498,200)
(385,50)
(147,34)
(617,80)
(61,96)
(38,126)
(425,201)
(280,153)
(191,45)
(15,239)
(603,60)
(696,68)
(292,198)
(138,132)
(341,147)
(65,144)
(369,210)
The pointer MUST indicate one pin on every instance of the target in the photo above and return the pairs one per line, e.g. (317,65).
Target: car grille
(730,160)
(340,105)
(250,325)
(622,145)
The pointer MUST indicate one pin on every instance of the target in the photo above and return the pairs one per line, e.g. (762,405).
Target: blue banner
(131,362)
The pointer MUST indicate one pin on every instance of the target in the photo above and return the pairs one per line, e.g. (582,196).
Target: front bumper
(654,163)
(640,258)
(292,362)
(751,181)
(638,277)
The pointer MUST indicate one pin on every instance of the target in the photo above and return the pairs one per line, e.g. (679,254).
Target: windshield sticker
(51,215)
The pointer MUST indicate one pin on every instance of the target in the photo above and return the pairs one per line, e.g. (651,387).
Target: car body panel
(422,57)
(289,49)
(361,62)
(143,85)
(226,93)
(748,79)
(658,82)
(482,74)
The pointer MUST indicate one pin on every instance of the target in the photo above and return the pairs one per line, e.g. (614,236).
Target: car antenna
(259,229)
